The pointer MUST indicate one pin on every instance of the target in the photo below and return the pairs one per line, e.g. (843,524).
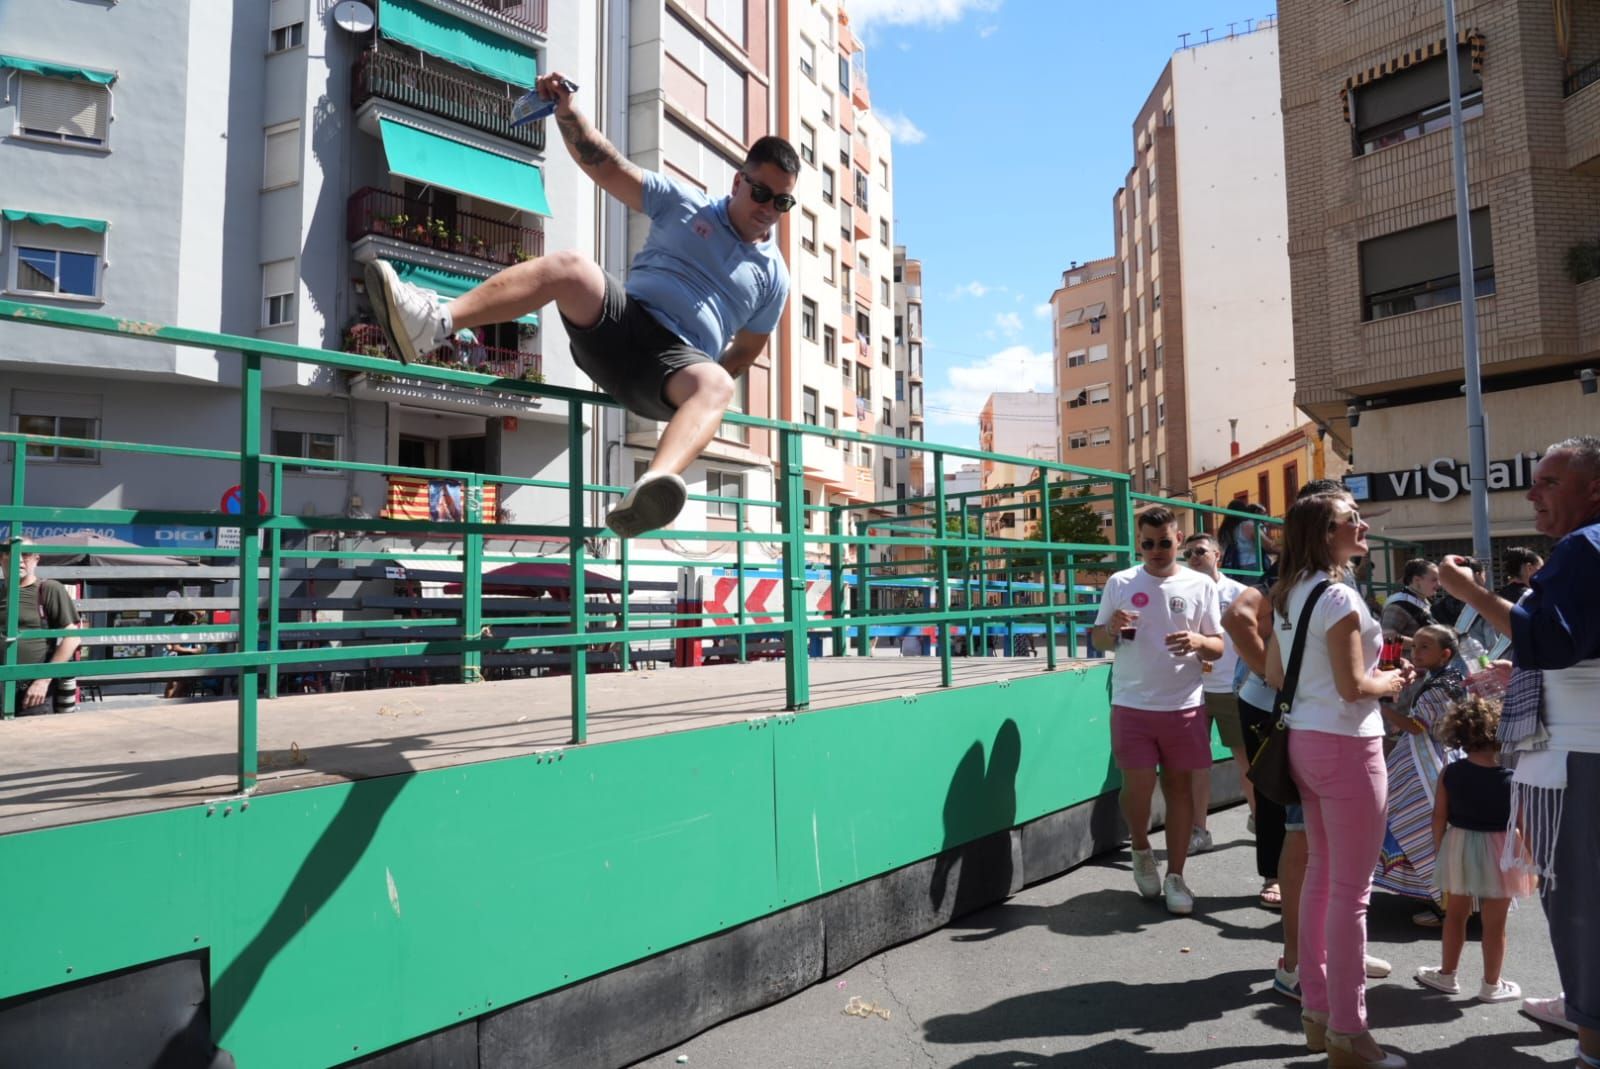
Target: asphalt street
(1080,972)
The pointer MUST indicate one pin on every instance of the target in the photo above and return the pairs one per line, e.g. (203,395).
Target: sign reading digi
(1441,479)
(174,538)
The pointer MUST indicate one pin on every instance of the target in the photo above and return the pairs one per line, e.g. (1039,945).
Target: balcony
(858,81)
(366,339)
(863,223)
(379,213)
(1582,116)
(440,90)
(861,152)
(1581,79)
(534,14)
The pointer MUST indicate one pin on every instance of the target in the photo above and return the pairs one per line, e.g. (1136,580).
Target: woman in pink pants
(1336,758)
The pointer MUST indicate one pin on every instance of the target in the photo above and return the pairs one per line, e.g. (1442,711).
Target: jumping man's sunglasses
(1151,543)
(761,193)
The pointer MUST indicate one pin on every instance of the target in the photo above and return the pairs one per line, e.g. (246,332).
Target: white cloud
(1041,311)
(1009,322)
(914,12)
(901,129)
(988,31)
(1013,369)
(971,289)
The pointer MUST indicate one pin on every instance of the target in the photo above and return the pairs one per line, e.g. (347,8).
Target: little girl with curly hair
(1470,825)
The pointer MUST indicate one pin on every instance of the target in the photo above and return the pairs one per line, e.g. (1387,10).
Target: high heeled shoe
(1342,1053)
(1316,1025)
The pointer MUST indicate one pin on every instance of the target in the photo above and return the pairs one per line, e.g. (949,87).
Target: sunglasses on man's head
(762,193)
(1152,543)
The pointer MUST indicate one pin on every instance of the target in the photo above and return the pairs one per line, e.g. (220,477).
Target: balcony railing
(534,14)
(379,212)
(391,76)
(1582,79)
(366,339)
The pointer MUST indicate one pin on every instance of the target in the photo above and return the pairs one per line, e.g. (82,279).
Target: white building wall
(1233,229)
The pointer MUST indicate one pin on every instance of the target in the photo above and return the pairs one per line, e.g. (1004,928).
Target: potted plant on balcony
(396,224)
(477,247)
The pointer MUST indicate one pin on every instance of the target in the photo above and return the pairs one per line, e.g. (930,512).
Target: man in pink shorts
(1162,621)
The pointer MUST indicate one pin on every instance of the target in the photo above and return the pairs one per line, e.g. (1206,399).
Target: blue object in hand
(531,107)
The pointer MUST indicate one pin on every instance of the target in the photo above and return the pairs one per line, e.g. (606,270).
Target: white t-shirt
(1146,675)
(1220,679)
(1317,705)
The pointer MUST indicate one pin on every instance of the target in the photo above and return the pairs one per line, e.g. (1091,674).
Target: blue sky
(1012,122)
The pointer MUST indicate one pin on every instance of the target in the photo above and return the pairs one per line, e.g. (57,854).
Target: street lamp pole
(1477,446)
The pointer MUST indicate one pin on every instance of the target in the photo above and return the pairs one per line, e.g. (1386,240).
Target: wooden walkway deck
(94,764)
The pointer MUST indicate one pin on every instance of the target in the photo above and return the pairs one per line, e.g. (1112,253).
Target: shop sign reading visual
(1441,479)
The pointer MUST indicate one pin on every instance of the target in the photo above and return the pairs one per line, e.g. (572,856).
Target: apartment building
(838,358)
(915,469)
(1017,425)
(1201,250)
(230,167)
(1270,475)
(1373,255)
(1085,318)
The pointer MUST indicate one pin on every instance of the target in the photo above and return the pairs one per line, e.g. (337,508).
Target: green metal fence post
(738,583)
(8,655)
(576,589)
(250,563)
(1049,595)
(863,590)
(941,530)
(627,612)
(1122,510)
(472,581)
(791,507)
(274,546)
(966,570)
(836,577)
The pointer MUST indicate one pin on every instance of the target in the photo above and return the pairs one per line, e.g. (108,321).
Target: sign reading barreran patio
(1440,479)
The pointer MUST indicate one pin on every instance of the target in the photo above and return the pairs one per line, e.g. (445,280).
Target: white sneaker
(1438,979)
(655,501)
(1146,876)
(1180,900)
(1199,841)
(1377,968)
(409,315)
(1503,991)
(1551,1011)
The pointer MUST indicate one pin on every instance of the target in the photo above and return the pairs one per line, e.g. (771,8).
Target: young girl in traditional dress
(1470,825)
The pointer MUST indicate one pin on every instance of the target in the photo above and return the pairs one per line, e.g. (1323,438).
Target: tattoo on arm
(588,147)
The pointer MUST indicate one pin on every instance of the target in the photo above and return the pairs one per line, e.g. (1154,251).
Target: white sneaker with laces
(1377,968)
(1438,979)
(1199,841)
(1502,991)
(410,316)
(1180,900)
(1551,1011)
(655,501)
(1146,876)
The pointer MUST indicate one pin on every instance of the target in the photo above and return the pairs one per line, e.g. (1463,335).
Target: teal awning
(427,29)
(439,161)
(447,283)
(72,222)
(57,70)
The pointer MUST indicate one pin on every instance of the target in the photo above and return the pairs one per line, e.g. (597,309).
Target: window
(808,143)
(740,403)
(59,109)
(1098,353)
(888,414)
(849,371)
(1160,349)
(830,420)
(1291,480)
(57,415)
(1161,412)
(864,264)
(1155,294)
(830,264)
(844,74)
(55,262)
(1264,490)
(862,190)
(827,184)
(1094,326)
(1077,358)
(726,15)
(899,385)
(863,381)
(863,323)
(1078,440)
(827,109)
(830,346)
(809,401)
(1100,436)
(281,157)
(1155,236)
(808,58)
(885,295)
(311,445)
(883,176)
(808,319)
(885,356)
(726,484)
(1100,394)
(1144,418)
(286,23)
(1411,103)
(278,284)
(1417,268)
(866,457)
(883,231)
(888,471)
(808,231)
(900,451)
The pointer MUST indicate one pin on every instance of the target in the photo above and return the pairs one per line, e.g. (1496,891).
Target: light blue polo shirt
(697,276)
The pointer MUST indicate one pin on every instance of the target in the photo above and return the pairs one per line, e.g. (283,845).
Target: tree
(1073,521)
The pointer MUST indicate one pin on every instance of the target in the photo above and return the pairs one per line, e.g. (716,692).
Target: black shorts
(630,355)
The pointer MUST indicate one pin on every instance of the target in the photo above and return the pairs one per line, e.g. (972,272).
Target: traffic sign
(233,501)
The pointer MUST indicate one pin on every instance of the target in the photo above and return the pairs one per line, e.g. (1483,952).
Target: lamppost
(1477,446)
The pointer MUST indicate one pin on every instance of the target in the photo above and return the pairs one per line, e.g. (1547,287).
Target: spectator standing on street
(1521,565)
(1202,554)
(180,688)
(1554,734)
(42,604)
(1237,537)
(1411,607)
(1162,621)
(1336,759)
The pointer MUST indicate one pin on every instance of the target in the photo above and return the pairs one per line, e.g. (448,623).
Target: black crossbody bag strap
(1291,675)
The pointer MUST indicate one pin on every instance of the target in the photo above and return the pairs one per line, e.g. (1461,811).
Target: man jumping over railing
(701,299)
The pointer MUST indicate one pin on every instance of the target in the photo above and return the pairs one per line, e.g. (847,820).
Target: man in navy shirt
(701,299)
(1556,630)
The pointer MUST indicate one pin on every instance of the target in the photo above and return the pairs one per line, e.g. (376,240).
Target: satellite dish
(352,16)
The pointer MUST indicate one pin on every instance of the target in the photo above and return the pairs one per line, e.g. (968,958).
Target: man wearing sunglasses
(701,299)
(1163,621)
(1203,554)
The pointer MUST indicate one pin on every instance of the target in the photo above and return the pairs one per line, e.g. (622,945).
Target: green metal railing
(975,585)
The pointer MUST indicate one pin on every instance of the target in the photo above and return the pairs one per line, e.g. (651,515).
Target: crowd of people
(1444,745)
